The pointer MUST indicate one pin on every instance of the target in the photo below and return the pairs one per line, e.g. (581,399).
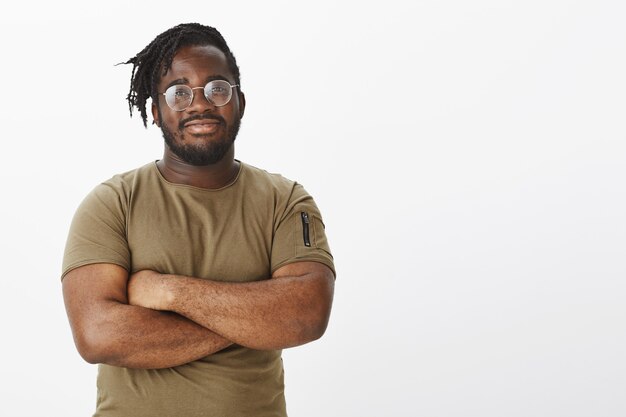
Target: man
(186,277)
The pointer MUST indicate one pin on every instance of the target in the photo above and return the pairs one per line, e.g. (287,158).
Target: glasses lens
(218,92)
(178,97)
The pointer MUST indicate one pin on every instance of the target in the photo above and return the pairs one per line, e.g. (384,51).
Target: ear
(242,103)
(155,115)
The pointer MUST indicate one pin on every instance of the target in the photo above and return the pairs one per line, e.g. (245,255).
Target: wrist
(167,284)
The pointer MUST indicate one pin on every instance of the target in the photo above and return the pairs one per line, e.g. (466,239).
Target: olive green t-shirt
(239,233)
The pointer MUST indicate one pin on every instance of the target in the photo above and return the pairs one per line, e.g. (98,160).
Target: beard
(208,152)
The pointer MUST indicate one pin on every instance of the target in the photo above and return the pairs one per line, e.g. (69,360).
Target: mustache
(183,122)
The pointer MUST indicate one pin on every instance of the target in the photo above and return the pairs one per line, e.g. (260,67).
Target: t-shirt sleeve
(98,231)
(300,233)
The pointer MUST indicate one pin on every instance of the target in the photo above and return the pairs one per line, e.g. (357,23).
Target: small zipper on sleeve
(305,228)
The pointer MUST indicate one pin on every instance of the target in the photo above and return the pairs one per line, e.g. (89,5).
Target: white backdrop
(469,159)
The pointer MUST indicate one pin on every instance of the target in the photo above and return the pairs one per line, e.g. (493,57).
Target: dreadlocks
(155,60)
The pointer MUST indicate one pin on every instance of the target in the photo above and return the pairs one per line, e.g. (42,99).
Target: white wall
(469,158)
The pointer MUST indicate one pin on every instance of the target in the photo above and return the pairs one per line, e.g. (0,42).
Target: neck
(212,176)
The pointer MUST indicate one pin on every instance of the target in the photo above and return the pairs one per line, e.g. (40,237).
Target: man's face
(203,133)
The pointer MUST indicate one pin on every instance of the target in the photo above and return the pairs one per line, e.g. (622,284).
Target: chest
(225,239)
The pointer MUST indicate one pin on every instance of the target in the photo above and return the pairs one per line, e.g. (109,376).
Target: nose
(199,103)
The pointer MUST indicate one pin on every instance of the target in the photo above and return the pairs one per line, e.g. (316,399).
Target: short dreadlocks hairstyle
(155,60)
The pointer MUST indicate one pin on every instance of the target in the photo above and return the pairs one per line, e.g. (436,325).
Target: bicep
(88,288)
(304,268)
(316,279)
(310,287)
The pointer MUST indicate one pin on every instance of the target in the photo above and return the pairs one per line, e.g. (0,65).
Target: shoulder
(118,189)
(129,179)
(271,183)
(260,176)
(284,194)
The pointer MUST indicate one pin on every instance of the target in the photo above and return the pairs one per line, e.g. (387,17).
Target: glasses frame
(193,95)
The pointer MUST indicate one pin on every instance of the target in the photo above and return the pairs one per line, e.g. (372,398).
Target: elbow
(92,346)
(322,308)
(318,327)
(301,328)
(311,334)
(89,353)
(319,311)
(89,356)
(315,326)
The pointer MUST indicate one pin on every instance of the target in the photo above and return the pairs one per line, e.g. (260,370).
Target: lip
(202,129)
(202,126)
(202,122)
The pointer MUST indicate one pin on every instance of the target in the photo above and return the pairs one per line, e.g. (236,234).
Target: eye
(181,93)
(218,90)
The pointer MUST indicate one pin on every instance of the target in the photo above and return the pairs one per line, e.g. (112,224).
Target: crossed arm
(152,320)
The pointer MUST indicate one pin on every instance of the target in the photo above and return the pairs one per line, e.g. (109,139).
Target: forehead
(196,63)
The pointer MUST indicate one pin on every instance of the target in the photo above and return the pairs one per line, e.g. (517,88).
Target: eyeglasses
(218,92)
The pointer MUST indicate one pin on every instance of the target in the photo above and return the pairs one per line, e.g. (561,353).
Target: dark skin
(153,320)
(196,65)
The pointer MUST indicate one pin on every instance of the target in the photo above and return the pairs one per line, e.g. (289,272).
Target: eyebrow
(210,78)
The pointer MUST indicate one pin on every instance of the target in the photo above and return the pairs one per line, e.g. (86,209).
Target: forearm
(271,314)
(137,337)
